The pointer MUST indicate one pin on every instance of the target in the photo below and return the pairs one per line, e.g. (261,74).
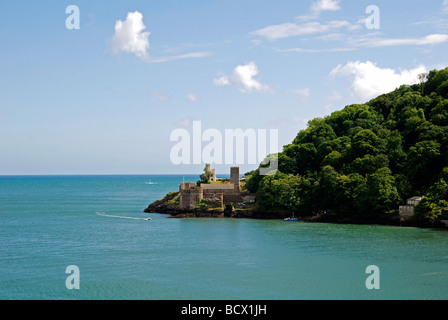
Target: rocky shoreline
(168,205)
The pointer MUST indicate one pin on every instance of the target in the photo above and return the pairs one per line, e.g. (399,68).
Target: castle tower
(190,195)
(235,177)
(212,172)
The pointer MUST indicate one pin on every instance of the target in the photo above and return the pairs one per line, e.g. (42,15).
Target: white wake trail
(120,217)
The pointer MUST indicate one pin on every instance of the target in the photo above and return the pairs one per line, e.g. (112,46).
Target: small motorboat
(148,219)
(291,218)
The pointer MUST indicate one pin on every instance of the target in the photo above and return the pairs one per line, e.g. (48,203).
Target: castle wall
(228,191)
(228,186)
(190,195)
(222,196)
(234,198)
(406,211)
(214,198)
(187,185)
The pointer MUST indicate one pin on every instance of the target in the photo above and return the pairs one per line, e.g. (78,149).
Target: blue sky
(104,98)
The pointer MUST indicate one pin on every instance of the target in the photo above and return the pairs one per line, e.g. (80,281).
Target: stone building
(408,209)
(216,195)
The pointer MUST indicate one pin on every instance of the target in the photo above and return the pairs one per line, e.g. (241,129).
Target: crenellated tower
(235,178)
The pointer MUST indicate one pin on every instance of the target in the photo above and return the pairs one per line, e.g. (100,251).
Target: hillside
(365,160)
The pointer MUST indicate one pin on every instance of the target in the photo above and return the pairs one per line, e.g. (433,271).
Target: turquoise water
(97,223)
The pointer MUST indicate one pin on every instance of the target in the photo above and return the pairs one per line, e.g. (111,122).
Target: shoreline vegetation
(357,165)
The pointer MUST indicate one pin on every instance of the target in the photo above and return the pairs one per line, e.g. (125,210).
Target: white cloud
(129,36)
(370,42)
(291,29)
(431,39)
(287,30)
(192,97)
(370,81)
(182,56)
(184,123)
(305,92)
(158,95)
(325,5)
(319,6)
(243,78)
(334,96)
(303,50)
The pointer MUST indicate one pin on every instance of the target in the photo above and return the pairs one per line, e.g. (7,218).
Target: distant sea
(97,223)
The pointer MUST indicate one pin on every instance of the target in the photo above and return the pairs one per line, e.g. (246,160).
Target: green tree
(366,159)
(253,181)
(288,190)
(435,79)
(435,204)
(280,192)
(382,194)
(443,89)
(424,163)
(365,142)
(205,177)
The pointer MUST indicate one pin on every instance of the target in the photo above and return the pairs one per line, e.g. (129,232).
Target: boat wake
(120,217)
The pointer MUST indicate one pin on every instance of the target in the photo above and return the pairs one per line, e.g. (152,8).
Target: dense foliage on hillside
(367,159)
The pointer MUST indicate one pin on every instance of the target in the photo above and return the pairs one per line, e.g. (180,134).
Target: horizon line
(100,174)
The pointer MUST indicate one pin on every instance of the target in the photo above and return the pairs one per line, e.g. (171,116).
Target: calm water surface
(97,223)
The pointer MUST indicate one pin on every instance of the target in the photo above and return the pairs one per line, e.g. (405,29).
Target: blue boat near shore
(291,218)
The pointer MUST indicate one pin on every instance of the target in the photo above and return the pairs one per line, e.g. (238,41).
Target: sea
(87,238)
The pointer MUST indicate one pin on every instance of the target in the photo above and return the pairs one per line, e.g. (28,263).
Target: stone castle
(216,195)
